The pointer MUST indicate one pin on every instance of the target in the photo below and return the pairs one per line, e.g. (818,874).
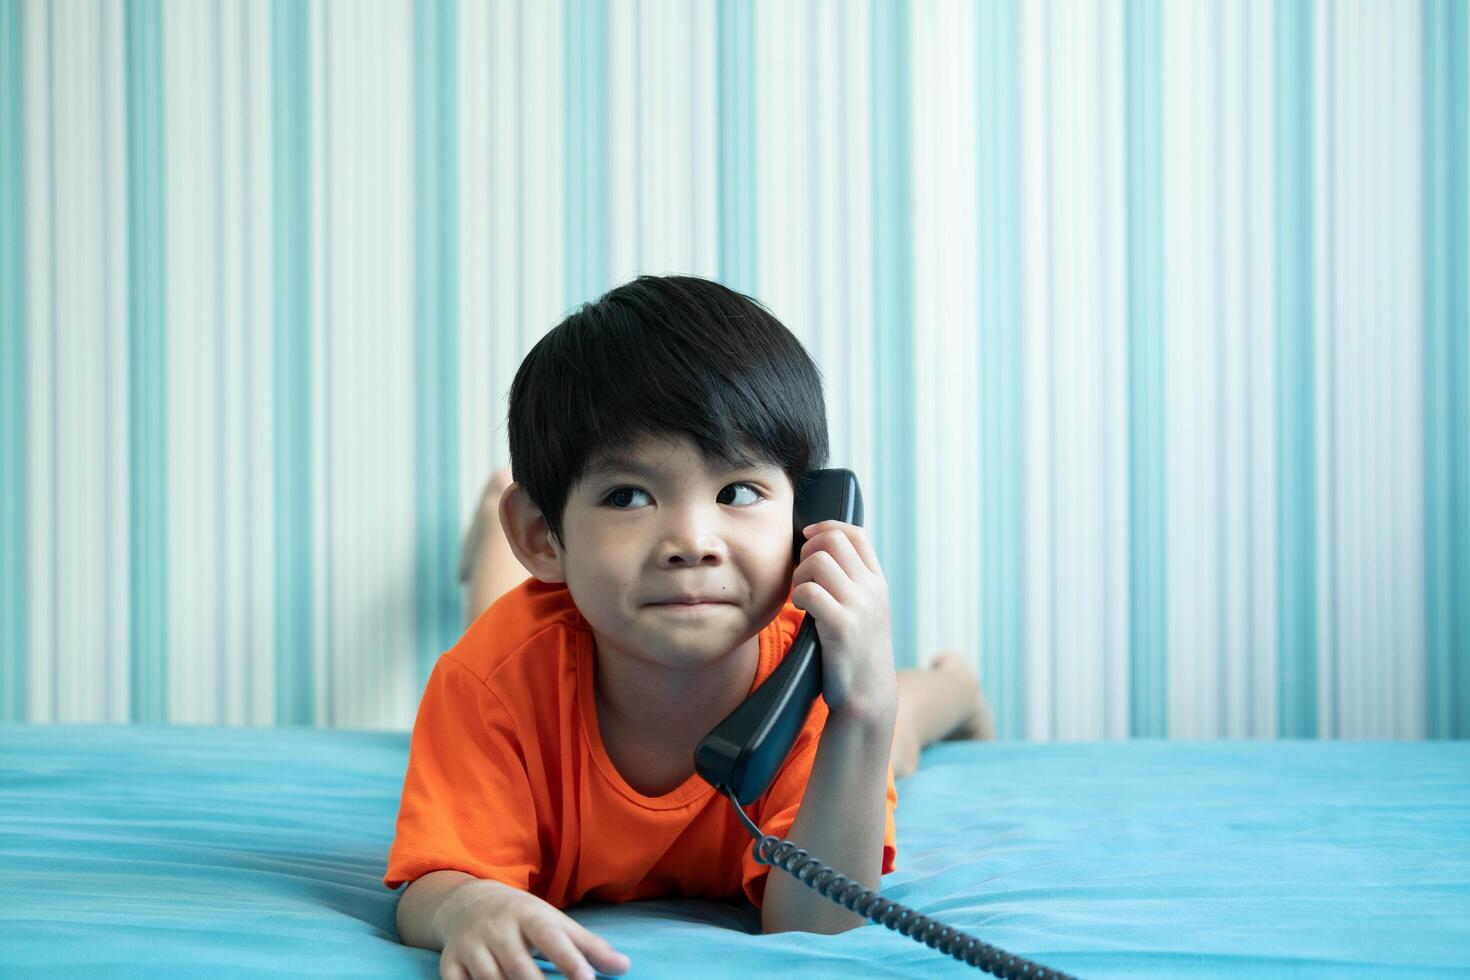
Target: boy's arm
(841,822)
(421,902)
(844,809)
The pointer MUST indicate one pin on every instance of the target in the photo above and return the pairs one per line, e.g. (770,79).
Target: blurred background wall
(1144,325)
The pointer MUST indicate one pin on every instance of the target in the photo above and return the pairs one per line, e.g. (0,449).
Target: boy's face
(658,526)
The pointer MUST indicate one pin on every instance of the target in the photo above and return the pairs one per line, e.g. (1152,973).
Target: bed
(175,851)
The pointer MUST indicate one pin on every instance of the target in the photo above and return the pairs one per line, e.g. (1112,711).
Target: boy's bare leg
(488,567)
(941,701)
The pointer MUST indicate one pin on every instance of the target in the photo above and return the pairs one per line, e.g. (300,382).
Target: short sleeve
(467,803)
(776,812)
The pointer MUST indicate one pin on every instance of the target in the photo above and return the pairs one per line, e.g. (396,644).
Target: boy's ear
(529,535)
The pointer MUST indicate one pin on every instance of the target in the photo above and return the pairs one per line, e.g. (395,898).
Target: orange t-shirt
(508,778)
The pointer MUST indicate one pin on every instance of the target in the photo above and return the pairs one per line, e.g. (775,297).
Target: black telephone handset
(743,752)
(740,756)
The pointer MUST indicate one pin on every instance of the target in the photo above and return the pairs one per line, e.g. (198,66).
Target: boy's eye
(754,493)
(624,498)
(618,497)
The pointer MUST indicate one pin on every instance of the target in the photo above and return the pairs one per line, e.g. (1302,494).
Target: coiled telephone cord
(851,895)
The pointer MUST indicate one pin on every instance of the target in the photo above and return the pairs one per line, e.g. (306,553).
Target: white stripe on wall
(112,537)
(539,189)
(1110,709)
(946,299)
(851,361)
(335,233)
(782,160)
(190,256)
(625,147)
(1376,132)
(1191,398)
(79,345)
(1077,331)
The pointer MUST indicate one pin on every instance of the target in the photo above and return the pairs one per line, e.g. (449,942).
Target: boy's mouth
(689,602)
(681,610)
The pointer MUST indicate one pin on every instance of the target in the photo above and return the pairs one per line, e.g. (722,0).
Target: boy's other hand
(839,582)
(490,931)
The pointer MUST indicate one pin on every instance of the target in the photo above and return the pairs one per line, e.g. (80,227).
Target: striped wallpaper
(1143,323)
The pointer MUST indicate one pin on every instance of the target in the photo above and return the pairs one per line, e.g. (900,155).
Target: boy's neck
(645,700)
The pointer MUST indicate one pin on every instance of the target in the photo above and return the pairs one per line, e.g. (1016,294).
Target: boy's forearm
(421,902)
(841,822)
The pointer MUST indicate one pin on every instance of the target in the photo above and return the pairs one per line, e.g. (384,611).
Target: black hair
(663,356)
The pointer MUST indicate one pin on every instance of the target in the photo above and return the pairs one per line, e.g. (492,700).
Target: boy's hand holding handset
(840,583)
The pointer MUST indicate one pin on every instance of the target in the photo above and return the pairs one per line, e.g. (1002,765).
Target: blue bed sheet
(157,852)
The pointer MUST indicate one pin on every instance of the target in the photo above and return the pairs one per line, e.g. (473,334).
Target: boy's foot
(979,723)
(487,518)
(943,701)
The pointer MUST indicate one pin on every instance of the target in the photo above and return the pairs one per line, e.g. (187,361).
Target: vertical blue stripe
(440,615)
(53,385)
(14,540)
(1047,179)
(291,367)
(147,363)
(1148,586)
(585,109)
(896,535)
(1002,471)
(735,104)
(1446,204)
(1296,456)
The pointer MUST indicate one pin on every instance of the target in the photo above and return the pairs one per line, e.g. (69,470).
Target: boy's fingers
(857,548)
(599,950)
(817,601)
(452,970)
(515,961)
(840,550)
(479,965)
(553,943)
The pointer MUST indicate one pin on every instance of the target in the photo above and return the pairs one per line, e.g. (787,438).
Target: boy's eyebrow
(624,464)
(616,464)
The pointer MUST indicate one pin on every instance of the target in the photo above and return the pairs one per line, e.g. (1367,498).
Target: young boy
(656,437)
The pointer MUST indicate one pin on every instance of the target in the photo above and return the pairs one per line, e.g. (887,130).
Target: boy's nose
(707,552)
(691,540)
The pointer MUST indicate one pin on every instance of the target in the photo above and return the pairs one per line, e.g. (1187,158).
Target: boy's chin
(697,644)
